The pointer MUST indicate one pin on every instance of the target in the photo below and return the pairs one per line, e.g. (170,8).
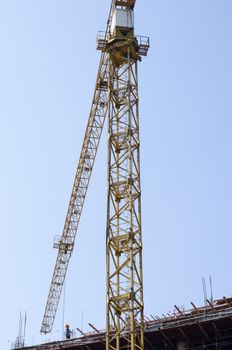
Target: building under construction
(208,328)
(116,98)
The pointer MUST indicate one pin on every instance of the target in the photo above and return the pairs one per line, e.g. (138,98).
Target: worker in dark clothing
(68,331)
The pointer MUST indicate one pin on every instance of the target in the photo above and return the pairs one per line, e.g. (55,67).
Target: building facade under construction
(208,327)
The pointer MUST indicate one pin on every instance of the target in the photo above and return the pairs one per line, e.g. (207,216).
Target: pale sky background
(48,66)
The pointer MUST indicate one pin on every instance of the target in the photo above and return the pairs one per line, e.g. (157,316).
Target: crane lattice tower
(116,93)
(124,303)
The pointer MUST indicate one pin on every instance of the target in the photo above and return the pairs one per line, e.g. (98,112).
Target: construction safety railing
(143,42)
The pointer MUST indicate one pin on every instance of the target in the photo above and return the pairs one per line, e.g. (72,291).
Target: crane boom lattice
(89,149)
(65,243)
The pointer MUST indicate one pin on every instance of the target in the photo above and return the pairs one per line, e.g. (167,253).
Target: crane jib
(65,243)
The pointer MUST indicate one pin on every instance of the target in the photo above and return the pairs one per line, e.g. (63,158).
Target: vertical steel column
(123,236)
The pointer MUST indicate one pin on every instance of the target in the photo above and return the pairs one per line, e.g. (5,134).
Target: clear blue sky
(48,66)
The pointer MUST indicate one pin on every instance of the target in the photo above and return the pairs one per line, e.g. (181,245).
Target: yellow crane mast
(116,92)
(124,305)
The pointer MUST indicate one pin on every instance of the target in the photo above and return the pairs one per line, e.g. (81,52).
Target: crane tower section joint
(63,244)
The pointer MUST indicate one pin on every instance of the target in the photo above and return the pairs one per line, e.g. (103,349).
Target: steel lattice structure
(116,91)
(124,238)
(65,243)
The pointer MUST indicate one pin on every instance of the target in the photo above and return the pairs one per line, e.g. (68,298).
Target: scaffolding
(199,328)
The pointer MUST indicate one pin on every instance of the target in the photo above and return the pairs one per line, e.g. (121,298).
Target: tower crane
(115,97)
